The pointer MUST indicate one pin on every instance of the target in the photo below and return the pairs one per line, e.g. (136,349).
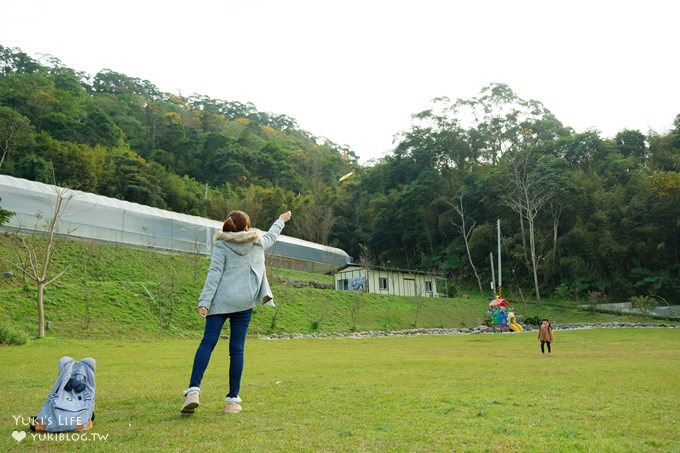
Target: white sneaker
(233,405)
(191,400)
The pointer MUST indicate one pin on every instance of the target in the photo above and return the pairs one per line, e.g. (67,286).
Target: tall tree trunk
(557,213)
(41,309)
(460,209)
(534,264)
(527,197)
(474,268)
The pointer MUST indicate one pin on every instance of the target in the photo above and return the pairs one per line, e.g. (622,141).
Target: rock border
(451,332)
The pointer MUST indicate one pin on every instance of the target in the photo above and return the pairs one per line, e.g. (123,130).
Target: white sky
(355,71)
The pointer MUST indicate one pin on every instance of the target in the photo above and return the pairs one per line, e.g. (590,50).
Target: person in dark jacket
(236,283)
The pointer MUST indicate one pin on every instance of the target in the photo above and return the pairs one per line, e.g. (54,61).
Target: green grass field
(602,390)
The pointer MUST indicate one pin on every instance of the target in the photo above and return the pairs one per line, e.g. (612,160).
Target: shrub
(449,289)
(596,297)
(10,336)
(533,321)
(562,292)
(643,302)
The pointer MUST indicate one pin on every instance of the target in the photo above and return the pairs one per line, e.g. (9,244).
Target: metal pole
(493,273)
(500,275)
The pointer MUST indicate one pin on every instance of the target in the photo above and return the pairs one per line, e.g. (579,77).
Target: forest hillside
(581,214)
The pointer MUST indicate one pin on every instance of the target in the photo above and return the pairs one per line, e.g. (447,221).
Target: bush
(562,292)
(10,336)
(447,288)
(596,297)
(533,321)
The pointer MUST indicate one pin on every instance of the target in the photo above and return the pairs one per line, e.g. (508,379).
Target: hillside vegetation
(121,292)
(582,214)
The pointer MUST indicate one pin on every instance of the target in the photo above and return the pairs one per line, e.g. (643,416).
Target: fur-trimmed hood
(241,241)
(252,235)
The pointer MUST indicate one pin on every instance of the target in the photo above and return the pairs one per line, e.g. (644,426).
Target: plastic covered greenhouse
(89,216)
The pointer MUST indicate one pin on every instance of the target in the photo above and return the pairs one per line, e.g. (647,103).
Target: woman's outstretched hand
(285,216)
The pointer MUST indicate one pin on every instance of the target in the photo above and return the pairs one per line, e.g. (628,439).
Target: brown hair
(236,221)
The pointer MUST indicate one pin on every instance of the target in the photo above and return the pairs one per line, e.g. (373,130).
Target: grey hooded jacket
(70,404)
(237,278)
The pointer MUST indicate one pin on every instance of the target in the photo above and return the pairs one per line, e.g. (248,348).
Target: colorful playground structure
(503,320)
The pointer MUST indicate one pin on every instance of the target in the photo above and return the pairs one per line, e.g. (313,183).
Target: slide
(513,324)
(515,327)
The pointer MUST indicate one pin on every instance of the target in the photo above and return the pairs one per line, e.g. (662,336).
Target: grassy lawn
(601,390)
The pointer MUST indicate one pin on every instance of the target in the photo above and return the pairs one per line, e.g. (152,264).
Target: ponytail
(236,221)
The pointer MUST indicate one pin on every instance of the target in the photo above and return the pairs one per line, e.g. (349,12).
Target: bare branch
(460,209)
(53,279)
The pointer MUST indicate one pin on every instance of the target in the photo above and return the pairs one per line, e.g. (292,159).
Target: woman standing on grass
(236,283)
(545,335)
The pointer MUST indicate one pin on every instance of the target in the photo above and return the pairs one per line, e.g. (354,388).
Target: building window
(382,281)
(343,285)
(428,286)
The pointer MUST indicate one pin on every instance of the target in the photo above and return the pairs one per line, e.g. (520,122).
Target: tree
(13,60)
(98,128)
(39,254)
(581,151)
(528,193)
(466,232)
(631,144)
(498,121)
(15,131)
(127,176)
(316,216)
(75,165)
(664,150)
(440,144)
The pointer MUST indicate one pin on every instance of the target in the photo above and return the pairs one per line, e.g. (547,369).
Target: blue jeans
(238,324)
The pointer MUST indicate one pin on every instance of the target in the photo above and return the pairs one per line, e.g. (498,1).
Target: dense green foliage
(593,216)
(580,214)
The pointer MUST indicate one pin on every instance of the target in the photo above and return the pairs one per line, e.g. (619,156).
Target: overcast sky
(355,71)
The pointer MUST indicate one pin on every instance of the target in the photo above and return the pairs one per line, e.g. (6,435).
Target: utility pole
(500,277)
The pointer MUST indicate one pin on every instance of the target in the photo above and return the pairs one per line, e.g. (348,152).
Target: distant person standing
(545,336)
(236,283)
